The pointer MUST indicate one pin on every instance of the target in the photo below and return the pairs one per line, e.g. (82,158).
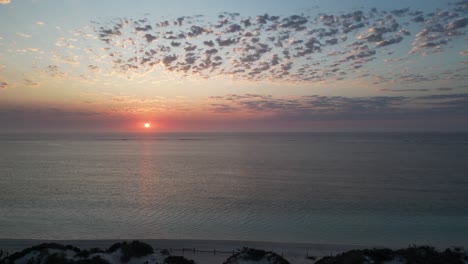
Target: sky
(206,66)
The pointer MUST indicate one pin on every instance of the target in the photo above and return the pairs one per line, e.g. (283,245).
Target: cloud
(4,2)
(459,23)
(28,82)
(24,35)
(222,108)
(3,85)
(406,90)
(389,41)
(227,42)
(294,48)
(169,59)
(40,23)
(150,38)
(51,117)
(316,107)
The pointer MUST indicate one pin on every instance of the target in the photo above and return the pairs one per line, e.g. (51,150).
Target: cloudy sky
(245,65)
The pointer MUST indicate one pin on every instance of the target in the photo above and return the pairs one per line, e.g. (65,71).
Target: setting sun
(147,125)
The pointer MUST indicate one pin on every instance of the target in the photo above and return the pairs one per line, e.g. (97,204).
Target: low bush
(56,258)
(410,255)
(177,260)
(252,254)
(94,260)
(135,249)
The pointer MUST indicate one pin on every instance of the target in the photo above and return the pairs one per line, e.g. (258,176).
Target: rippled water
(384,189)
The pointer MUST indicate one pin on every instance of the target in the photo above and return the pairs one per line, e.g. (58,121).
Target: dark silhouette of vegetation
(94,260)
(42,254)
(177,260)
(86,253)
(135,249)
(44,247)
(251,254)
(56,258)
(429,255)
(410,255)
(164,252)
(114,247)
(379,254)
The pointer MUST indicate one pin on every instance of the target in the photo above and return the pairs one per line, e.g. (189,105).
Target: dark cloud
(53,118)
(233,28)
(211,51)
(30,83)
(196,31)
(399,12)
(346,108)
(175,44)
(406,90)
(295,21)
(3,85)
(227,42)
(389,41)
(145,28)
(149,38)
(190,48)
(209,43)
(169,59)
(459,23)
(418,89)
(222,108)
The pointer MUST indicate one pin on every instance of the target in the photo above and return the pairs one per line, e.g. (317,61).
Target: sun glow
(147,125)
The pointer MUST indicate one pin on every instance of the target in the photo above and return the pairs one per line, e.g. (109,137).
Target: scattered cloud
(28,82)
(24,35)
(344,108)
(55,72)
(406,90)
(417,89)
(294,48)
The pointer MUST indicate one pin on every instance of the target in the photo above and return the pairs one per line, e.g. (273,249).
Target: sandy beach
(206,251)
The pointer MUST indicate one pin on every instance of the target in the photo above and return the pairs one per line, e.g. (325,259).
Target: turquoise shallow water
(377,189)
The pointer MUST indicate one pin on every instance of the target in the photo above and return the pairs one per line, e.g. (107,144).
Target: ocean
(379,189)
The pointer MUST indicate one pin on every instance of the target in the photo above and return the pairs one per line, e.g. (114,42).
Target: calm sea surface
(378,189)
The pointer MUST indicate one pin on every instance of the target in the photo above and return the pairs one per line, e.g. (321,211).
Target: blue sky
(233,65)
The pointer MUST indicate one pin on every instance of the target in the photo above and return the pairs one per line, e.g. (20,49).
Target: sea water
(390,189)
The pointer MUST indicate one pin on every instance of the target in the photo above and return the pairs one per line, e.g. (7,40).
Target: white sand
(293,252)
